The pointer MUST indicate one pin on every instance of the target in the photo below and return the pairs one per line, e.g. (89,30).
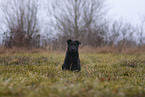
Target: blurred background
(48,24)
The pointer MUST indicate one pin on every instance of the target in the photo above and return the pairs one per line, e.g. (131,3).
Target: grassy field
(102,75)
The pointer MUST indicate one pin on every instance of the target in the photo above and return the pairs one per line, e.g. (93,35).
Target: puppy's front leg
(76,66)
(67,64)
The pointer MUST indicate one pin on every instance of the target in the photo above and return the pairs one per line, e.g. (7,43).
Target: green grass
(102,75)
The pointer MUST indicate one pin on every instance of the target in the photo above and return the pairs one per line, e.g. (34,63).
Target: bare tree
(78,19)
(20,20)
(141,32)
(121,33)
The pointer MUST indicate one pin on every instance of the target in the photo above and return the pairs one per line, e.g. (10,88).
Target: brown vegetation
(107,49)
(85,50)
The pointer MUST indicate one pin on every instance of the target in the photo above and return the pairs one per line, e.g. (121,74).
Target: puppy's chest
(73,60)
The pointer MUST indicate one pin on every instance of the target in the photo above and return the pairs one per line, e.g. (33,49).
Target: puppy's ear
(78,42)
(69,41)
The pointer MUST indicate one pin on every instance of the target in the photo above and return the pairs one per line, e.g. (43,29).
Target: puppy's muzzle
(73,49)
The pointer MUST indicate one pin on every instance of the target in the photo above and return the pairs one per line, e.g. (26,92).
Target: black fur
(72,61)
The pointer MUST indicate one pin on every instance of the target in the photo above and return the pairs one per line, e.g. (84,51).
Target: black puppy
(72,61)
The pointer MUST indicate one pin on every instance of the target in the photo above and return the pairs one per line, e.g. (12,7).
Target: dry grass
(107,49)
(85,49)
(19,50)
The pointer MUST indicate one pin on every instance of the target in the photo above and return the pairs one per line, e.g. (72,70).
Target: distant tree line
(84,20)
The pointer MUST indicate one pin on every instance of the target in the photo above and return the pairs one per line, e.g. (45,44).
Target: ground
(102,75)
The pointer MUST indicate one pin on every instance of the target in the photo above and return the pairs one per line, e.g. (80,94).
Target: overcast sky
(130,10)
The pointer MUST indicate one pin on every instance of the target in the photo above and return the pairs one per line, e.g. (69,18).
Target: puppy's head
(73,45)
